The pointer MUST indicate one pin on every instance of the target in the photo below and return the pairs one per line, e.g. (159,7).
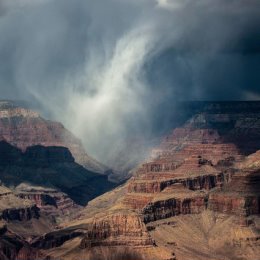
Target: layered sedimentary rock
(119,229)
(23,128)
(241,196)
(232,121)
(16,215)
(218,130)
(16,209)
(198,154)
(21,216)
(196,198)
(165,188)
(51,202)
(174,201)
(125,229)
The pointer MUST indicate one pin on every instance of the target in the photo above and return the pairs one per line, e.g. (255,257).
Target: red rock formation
(50,201)
(16,209)
(181,203)
(23,128)
(125,229)
(196,155)
(198,180)
(241,196)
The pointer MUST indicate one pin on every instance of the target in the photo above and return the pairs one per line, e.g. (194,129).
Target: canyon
(23,127)
(197,196)
(50,167)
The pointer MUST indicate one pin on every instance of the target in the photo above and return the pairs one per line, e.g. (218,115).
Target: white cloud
(171,4)
(84,60)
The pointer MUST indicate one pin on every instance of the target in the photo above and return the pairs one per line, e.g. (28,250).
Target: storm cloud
(109,69)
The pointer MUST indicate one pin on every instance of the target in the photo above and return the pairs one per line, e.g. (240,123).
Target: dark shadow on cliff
(52,167)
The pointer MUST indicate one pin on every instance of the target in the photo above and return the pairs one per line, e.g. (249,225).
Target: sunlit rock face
(13,208)
(200,179)
(51,202)
(23,128)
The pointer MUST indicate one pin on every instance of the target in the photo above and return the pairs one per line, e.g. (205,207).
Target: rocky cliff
(23,128)
(196,198)
(52,203)
(50,167)
(16,209)
(241,196)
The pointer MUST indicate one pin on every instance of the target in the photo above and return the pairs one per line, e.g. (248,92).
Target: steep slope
(175,223)
(235,122)
(37,204)
(50,167)
(197,198)
(20,220)
(13,247)
(23,128)
(54,204)
(13,208)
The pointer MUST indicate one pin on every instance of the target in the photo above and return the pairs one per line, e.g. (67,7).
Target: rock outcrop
(118,229)
(16,209)
(241,196)
(122,229)
(199,179)
(51,202)
(180,201)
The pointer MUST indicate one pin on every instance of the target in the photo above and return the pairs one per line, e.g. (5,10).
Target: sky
(111,70)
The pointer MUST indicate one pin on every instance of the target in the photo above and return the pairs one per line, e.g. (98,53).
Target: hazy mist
(109,69)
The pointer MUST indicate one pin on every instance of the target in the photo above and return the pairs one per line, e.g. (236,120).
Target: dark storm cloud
(216,55)
(112,68)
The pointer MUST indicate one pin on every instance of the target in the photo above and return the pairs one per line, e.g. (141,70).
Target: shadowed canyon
(196,196)
(129,130)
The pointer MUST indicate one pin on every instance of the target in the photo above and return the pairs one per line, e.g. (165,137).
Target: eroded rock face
(122,229)
(228,203)
(242,195)
(48,155)
(196,182)
(16,209)
(200,155)
(20,214)
(50,167)
(23,128)
(51,202)
(125,229)
(215,131)
(169,207)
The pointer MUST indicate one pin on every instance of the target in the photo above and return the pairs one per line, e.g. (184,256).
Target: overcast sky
(104,68)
